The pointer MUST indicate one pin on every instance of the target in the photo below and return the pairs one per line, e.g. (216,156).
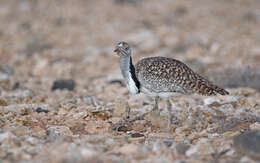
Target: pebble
(6,69)
(168,142)
(136,140)
(137,135)
(139,125)
(3,102)
(32,140)
(115,120)
(22,130)
(40,66)
(58,133)
(21,109)
(128,149)
(248,143)
(25,108)
(40,110)
(116,81)
(245,159)
(121,2)
(4,79)
(255,126)
(88,153)
(63,84)
(159,146)
(121,128)
(181,148)
(16,85)
(212,101)
(202,147)
(43,108)
(5,135)
(20,94)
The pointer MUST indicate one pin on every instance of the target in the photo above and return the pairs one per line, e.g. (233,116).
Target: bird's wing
(161,74)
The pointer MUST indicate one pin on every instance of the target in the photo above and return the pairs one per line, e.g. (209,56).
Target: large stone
(248,143)
(203,147)
(181,148)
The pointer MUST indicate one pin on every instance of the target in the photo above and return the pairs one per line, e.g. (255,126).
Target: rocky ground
(46,46)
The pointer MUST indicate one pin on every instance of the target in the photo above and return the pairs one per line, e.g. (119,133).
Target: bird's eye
(126,48)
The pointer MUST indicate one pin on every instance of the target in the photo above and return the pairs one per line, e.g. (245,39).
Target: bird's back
(161,74)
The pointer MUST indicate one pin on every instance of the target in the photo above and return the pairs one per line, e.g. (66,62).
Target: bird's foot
(172,120)
(155,109)
(169,128)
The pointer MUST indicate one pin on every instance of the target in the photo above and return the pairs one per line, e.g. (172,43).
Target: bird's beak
(116,49)
(119,51)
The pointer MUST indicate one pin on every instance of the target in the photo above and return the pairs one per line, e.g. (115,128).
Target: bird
(162,77)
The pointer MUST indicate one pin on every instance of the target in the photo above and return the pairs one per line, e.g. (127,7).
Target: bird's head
(123,49)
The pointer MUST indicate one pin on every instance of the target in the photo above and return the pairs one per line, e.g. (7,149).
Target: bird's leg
(169,108)
(155,107)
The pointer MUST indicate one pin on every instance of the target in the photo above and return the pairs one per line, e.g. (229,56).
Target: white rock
(4,78)
(214,47)
(203,147)
(6,135)
(245,159)
(58,132)
(128,149)
(40,66)
(31,140)
(211,100)
(255,126)
(87,153)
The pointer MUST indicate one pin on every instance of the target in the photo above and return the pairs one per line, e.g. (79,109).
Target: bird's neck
(128,72)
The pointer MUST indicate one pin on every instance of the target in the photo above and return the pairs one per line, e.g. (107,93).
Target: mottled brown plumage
(162,77)
(161,74)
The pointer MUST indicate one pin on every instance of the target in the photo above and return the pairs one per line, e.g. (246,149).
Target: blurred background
(75,39)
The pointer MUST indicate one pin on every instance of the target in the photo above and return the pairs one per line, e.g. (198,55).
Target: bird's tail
(209,89)
(219,90)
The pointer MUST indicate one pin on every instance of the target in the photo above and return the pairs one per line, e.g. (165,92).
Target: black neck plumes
(132,71)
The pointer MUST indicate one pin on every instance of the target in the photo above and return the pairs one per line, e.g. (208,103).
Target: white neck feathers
(128,72)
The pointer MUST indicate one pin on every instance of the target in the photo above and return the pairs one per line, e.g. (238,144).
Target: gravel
(62,95)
